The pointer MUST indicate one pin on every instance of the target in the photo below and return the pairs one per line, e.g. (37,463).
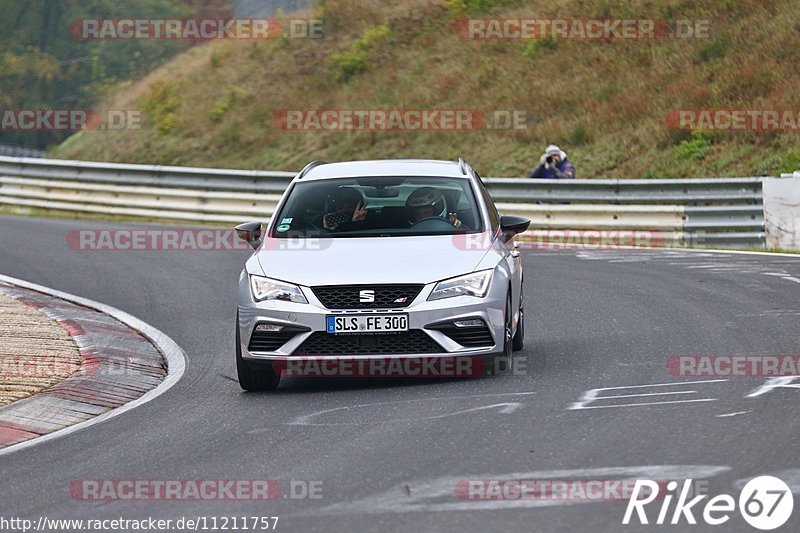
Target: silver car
(380,268)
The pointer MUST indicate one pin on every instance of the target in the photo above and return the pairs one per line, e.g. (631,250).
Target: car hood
(353,261)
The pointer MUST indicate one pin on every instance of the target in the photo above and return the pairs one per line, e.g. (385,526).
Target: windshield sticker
(282,228)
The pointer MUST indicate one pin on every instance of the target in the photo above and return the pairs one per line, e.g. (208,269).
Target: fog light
(471,323)
(272,328)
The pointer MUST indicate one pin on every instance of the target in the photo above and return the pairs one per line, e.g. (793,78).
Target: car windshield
(378,206)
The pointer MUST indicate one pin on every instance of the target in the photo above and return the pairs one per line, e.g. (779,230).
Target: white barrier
(782,212)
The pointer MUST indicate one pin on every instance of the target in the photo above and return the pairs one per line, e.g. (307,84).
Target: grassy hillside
(604,102)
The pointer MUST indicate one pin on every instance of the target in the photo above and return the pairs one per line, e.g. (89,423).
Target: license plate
(366,323)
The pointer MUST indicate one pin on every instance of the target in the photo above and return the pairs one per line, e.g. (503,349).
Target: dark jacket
(564,170)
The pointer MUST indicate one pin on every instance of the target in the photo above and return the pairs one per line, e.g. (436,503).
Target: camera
(549,159)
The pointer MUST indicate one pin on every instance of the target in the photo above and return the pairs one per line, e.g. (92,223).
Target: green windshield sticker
(282,228)
(286,221)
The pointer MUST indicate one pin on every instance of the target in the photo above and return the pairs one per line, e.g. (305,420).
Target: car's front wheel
(254,378)
(519,336)
(504,362)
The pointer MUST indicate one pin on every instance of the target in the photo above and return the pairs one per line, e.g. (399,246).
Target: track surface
(391,461)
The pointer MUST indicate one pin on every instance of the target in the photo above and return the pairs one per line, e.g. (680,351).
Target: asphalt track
(390,454)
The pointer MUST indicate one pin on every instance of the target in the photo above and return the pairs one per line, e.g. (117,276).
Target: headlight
(272,289)
(475,284)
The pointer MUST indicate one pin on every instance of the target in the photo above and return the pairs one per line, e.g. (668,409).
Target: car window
(378,206)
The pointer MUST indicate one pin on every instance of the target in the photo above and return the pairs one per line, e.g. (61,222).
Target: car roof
(384,167)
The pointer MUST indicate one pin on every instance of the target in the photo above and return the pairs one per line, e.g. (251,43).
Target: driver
(428,202)
(343,208)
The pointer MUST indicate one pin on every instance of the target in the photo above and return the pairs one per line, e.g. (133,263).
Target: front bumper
(424,318)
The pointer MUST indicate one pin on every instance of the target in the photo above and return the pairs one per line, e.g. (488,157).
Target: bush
(714,50)
(774,165)
(355,61)
(790,162)
(162,103)
(348,64)
(218,111)
(694,149)
(235,95)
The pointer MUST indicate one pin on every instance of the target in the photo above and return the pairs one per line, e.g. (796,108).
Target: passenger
(344,207)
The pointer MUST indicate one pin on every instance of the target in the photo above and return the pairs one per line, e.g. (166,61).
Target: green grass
(605,102)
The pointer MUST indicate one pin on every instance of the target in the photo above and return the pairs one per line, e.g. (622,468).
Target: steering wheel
(432,224)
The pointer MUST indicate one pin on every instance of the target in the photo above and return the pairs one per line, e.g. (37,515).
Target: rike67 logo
(765,503)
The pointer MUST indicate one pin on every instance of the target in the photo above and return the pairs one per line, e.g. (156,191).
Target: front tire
(519,336)
(251,378)
(503,363)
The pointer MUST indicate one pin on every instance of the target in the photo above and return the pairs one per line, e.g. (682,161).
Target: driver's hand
(360,213)
(453,218)
(328,222)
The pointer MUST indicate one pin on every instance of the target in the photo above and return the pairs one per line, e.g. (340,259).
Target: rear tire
(254,378)
(519,336)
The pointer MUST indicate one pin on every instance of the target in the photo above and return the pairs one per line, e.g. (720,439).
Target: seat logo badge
(366,297)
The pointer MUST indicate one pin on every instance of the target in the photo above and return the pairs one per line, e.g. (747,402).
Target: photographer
(553,165)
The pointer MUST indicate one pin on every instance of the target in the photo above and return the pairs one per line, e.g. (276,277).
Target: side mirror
(511,225)
(250,232)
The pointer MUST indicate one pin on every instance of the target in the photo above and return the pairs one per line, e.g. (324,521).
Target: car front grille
(414,341)
(353,296)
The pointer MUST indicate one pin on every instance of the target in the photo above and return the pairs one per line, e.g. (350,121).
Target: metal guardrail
(147,175)
(712,212)
(634,191)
